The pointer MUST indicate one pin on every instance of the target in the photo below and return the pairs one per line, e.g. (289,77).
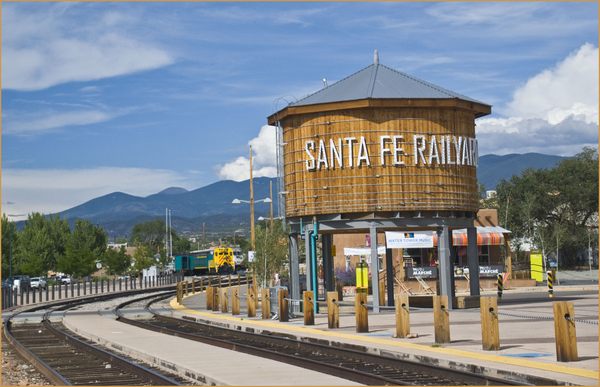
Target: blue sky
(136,97)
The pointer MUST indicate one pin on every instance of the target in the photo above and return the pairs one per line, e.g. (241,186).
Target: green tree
(555,208)
(143,258)
(9,245)
(86,245)
(271,251)
(116,261)
(41,244)
(150,234)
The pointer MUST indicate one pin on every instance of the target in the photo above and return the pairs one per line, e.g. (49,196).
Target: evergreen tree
(86,245)
(116,261)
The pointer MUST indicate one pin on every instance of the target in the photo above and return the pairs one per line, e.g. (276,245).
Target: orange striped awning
(486,236)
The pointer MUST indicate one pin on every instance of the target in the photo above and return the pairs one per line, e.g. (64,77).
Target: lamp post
(239,201)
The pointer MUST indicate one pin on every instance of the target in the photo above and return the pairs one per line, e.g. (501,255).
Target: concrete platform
(527,353)
(204,363)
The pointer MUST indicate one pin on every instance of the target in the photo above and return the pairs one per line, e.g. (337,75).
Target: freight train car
(217,260)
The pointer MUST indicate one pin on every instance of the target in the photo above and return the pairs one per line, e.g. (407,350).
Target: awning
(486,236)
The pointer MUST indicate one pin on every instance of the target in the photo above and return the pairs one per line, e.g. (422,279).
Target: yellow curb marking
(446,351)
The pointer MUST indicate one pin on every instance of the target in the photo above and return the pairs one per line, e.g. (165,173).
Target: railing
(28,296)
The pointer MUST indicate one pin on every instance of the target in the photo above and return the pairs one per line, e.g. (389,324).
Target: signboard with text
(409,240)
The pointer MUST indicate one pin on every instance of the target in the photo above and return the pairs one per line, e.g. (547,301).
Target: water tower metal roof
(379,82)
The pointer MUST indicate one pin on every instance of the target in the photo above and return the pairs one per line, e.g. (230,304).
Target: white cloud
(555,111)
(31,125)
(54,190)
(46,47)
(264,162)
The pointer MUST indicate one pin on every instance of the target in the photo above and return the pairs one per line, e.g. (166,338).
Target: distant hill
(493,168)
(211,205)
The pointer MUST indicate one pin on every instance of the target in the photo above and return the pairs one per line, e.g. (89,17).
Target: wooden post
(224,300)
(283,305)
(179,293)
(381,292)
(361,312)
(193,286)
(333,310)
(441,319)
(250,300)
(402,315)
(216,299)
(266,304)
(209,297)
(490,333)
(564,331)
(309,308)
(235,301)
(339,287)
(229,284)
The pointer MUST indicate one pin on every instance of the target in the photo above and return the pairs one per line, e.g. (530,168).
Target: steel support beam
(307,233)
(294,271)
(445,266)
(328,267)
(389,269)
(473,261)
(374,267)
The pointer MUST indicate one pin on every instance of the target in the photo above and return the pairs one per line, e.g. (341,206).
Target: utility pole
(271,196)
(252,241)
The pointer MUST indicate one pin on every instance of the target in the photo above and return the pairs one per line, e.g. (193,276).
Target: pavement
(527,347)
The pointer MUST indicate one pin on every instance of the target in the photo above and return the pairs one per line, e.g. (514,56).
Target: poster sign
(250,256)
(409,240)
(490,271)
(423,272)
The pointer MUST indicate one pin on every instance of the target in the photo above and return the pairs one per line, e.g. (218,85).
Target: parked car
(38,283)
(65,280)
(21,282)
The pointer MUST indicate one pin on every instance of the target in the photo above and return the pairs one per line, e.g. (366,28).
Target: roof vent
(376,57)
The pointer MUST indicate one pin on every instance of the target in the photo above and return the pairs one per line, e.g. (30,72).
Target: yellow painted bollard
(333,310)
(490,332)
(251,303)
(361,312)
(402,315)
(550,282)
(500,285)
(235,301)
(209,297)
(564,331)
(309,308)
(441,319)
(282,302)
(266,304)
(224,301)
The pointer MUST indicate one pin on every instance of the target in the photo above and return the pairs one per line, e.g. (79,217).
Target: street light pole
(252,241)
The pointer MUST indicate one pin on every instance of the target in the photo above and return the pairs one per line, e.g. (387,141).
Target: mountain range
(212,206)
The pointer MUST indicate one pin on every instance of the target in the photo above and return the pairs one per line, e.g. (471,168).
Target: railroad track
(66,359)
(345,363)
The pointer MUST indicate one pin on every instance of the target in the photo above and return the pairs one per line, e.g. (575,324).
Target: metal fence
(27,296)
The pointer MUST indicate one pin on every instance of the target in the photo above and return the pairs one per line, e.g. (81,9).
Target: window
(484,255)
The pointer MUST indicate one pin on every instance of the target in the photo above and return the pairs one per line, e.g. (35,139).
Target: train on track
(217,260)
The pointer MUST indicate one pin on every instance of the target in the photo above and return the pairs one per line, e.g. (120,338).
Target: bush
(346,277)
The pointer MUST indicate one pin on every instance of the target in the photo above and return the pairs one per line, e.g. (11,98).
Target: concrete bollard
(250,300)
(564,331)
(282,302)
(266,304)
(361,312)
(490,332)
(309,308)
(333,310)
(441,319)
(402,315)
